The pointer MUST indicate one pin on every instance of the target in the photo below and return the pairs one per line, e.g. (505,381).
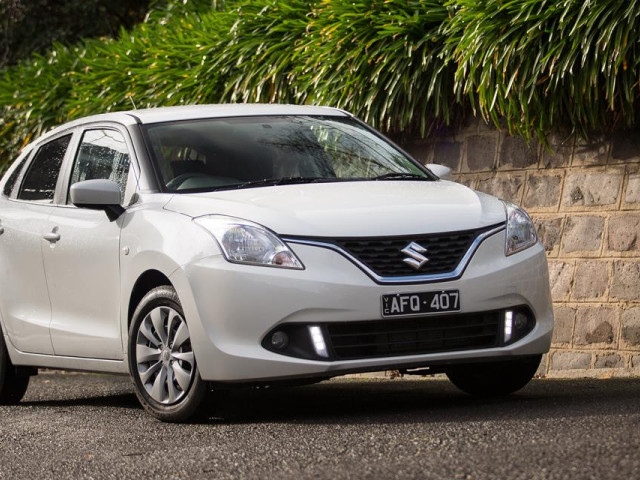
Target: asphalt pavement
(91,426)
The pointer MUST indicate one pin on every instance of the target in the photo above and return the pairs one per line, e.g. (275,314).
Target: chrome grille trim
(405,279)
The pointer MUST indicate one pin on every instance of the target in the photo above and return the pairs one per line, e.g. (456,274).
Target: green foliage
(259,52)
(370,57)
(382,60)
(402,65)
(540,63)
(148,62)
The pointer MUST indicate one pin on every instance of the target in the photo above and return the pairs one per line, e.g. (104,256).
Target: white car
(196,247)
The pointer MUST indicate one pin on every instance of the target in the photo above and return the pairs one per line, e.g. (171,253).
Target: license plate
(419,303)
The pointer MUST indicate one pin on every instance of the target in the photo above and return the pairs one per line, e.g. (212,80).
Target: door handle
(52,237)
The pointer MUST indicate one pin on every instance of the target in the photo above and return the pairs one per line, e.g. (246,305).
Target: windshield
(243,152)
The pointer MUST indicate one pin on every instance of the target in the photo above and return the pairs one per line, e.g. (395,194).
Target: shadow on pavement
(124,400)
(367,401)
(423,401)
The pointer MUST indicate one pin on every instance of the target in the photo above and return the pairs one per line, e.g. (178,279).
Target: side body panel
(24,304)
(83,266)
(83,275)
(82,270)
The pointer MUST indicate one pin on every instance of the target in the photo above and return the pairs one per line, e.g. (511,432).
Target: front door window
(102,155)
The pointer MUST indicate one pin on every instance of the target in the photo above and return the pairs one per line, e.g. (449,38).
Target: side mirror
(440,170)
(98,195)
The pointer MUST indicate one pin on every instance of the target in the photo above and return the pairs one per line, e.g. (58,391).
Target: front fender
(152,241)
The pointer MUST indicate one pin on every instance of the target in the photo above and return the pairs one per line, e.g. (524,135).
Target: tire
(161,361)
(494,378)
(12,384)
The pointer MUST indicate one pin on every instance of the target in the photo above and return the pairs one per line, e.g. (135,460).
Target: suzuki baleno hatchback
(195,247)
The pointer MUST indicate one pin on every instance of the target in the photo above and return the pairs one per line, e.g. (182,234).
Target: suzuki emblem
(414,252)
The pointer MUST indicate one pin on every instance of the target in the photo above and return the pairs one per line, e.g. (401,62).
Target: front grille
(384,257)
(413,336)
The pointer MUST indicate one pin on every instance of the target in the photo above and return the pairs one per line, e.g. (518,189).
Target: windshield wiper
(283,181)
(270,182)
(401,176)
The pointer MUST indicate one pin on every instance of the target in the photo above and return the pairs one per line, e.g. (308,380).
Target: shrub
(544,63)
(402,65)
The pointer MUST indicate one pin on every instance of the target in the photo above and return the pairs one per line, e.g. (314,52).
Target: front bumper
(230,308)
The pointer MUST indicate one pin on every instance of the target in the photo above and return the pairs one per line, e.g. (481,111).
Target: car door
(82,261)
(26,204)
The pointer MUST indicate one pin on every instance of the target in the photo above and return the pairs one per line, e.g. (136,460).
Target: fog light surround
(299,340)
(517,323)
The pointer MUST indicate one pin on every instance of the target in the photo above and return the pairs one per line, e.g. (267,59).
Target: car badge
(414,252)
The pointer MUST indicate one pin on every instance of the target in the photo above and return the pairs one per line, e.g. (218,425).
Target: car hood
(351,209)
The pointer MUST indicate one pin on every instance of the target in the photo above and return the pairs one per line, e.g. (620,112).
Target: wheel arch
(146,282)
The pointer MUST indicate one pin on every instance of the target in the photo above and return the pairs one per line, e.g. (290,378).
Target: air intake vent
(414,336)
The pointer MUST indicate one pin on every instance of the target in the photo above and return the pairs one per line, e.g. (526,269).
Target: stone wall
(585,200)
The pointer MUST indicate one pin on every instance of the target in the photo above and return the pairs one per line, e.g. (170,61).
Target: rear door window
(39,183)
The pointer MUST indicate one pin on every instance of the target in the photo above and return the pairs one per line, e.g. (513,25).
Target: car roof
(195,112)
(169,114)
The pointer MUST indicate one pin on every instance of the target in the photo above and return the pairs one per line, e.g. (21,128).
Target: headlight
(521,232)
(246,242)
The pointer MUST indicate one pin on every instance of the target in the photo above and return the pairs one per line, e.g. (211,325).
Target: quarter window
(102,155)
(13,178)
(39,182)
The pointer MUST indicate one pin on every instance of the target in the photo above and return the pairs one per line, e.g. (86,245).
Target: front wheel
(161,359)
(494,378)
